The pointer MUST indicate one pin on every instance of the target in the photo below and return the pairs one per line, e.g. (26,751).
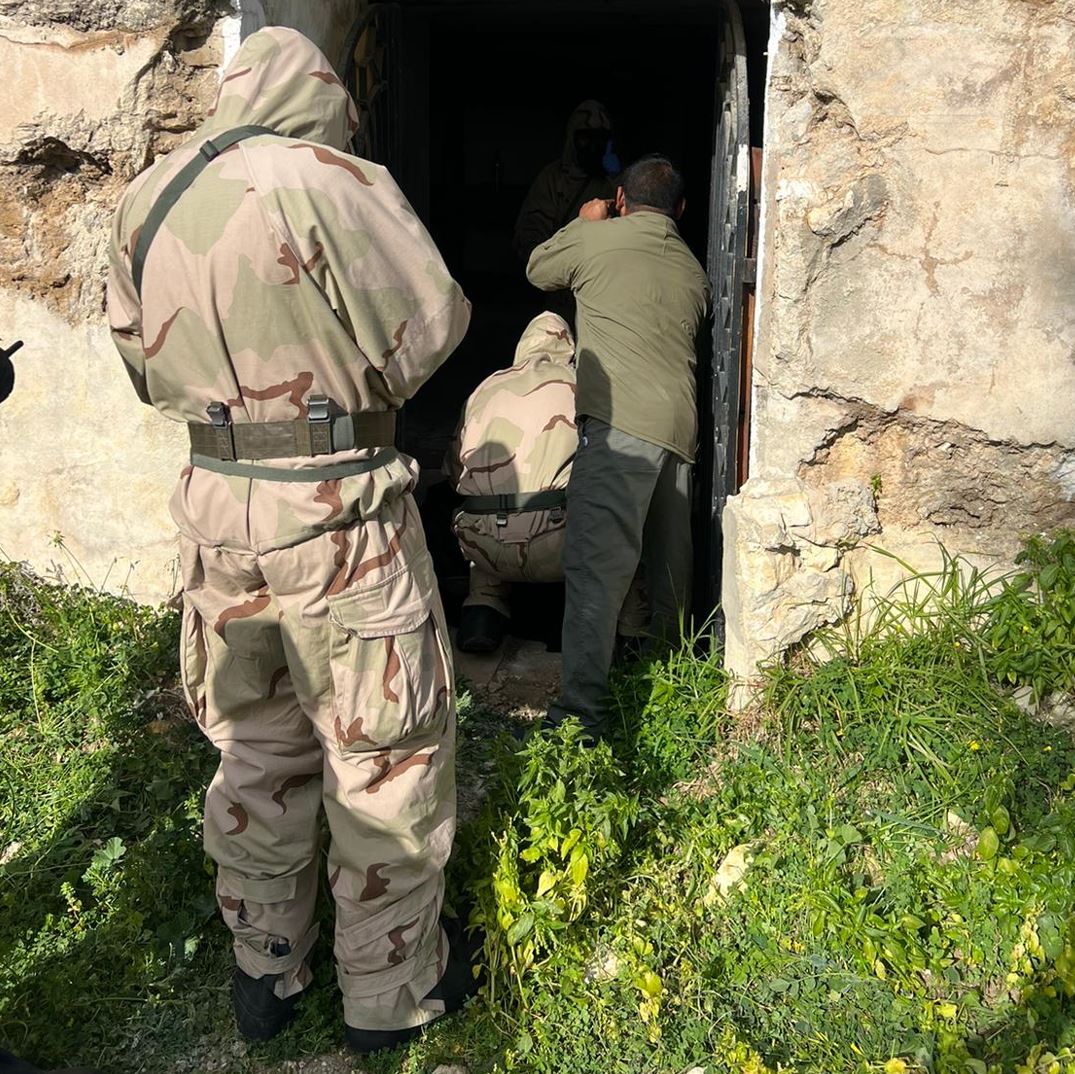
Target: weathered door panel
(370,68)
(719,377)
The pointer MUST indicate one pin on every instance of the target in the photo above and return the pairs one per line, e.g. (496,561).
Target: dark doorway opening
(468,100)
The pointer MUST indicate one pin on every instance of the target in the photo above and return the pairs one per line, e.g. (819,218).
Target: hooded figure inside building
(281,299)
(586,170)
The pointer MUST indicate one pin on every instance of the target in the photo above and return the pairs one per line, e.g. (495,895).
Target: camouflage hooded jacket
(288,268)
(517,433)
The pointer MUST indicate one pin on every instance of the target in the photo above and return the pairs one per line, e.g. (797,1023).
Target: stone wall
(93,91)
(915,353)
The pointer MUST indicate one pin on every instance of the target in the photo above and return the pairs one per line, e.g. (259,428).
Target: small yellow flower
(1047,749)
(947,1010)
(895,1066)
(1026,629)
(975,745)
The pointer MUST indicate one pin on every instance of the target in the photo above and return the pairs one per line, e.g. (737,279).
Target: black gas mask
(590,146)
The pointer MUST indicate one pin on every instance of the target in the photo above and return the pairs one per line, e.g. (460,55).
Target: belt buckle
(320,422)
(220,418)
(501,519)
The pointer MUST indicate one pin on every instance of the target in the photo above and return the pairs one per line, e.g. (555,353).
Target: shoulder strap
(164,204)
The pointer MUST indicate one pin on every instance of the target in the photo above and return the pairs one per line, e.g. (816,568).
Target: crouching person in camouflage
(511,459)
(280,297)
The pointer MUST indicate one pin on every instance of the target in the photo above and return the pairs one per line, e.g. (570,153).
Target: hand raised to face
(596,209)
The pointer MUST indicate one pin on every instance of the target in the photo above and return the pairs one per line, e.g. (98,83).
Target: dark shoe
(458,983)
(455,987)
(259,1012)
(630,648)
(481,629)
(12,1064)
(592,729)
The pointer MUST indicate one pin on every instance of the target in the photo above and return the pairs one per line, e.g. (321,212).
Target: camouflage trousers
(529,548)
(321,674)
(495,563)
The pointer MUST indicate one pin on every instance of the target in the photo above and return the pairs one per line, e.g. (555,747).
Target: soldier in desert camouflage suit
(313,641)
(518,435)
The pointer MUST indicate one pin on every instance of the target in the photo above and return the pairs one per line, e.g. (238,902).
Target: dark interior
(485,91)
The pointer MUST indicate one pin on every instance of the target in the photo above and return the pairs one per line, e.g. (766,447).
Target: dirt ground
(509,690)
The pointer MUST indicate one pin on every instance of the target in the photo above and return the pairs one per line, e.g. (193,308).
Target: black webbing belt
(513,503)
(319,434)
(165,202)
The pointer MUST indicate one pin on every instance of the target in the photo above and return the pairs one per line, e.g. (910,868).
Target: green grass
(874,871)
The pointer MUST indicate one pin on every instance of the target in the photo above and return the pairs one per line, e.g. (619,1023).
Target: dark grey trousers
(628,501)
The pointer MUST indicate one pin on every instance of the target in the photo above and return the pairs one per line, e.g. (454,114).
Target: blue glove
(610,162)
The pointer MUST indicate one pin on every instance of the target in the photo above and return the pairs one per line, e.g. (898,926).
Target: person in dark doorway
(641,297)
(511,461)
(564,186)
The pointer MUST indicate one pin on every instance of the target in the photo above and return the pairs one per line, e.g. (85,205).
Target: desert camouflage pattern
(517,434)
(562,187)
(313,647)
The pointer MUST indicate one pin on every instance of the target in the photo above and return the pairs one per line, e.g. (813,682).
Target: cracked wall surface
(915,359)
(94,90)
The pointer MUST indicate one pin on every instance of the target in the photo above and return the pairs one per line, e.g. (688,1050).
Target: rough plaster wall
(325,22)
(915,360)
(93,91)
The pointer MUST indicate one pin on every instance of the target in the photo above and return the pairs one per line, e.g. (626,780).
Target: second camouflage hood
(590,115)
(282,80)
(546,334)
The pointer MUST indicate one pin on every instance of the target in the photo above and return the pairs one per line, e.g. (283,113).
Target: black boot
(481,629)
(456,986)
(259,1012)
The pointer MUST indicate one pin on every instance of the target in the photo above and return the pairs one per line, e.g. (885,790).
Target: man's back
(641,298)
(288,269)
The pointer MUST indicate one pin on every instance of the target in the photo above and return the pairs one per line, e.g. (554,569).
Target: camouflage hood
(280,79)
(590,115)
(549,335)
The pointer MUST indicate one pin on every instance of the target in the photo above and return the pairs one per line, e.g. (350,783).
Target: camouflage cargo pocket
(390,668)
(193,661)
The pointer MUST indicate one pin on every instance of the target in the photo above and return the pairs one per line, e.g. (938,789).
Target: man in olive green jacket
(641,298)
